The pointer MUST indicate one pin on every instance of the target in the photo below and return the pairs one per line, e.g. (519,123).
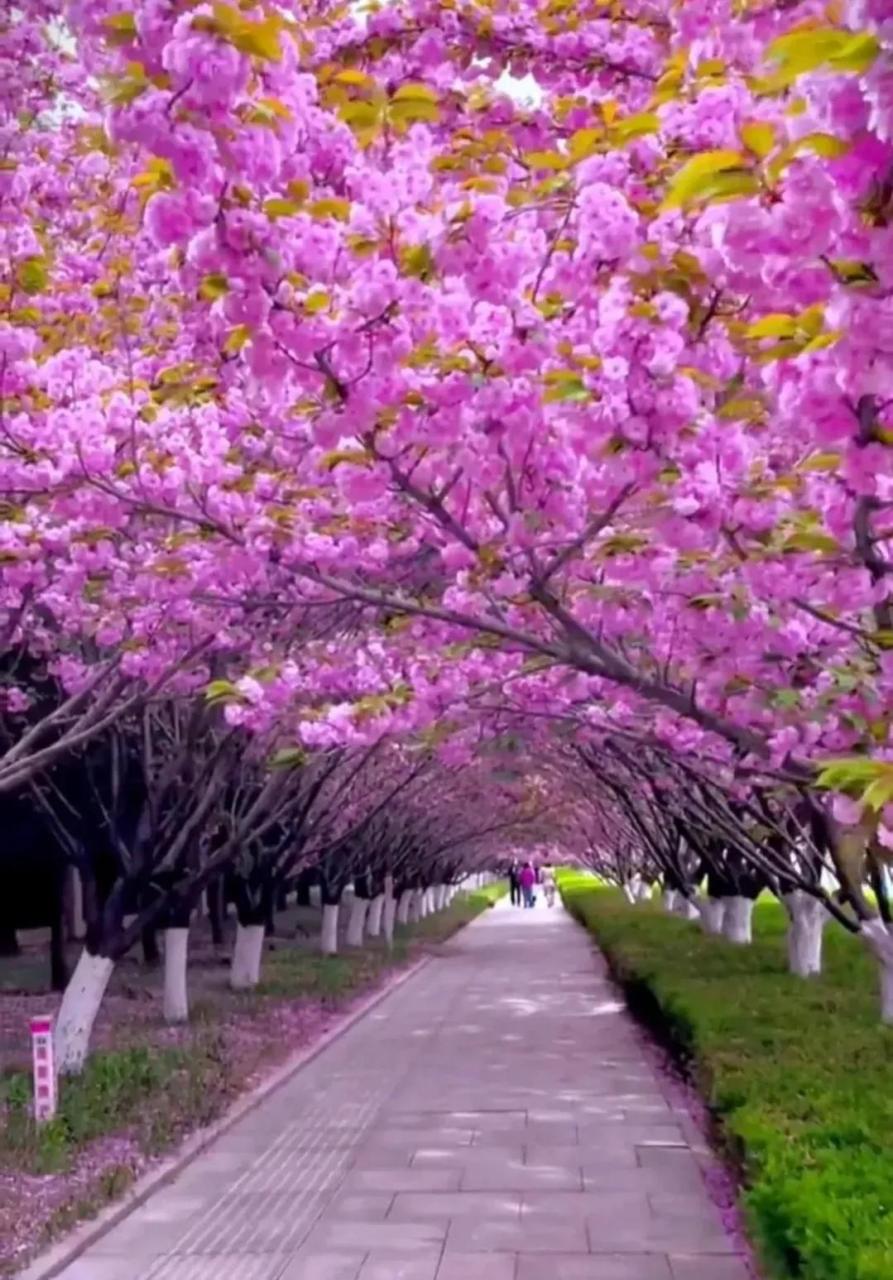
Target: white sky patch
(523,90)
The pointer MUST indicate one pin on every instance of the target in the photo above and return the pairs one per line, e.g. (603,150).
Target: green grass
(798,1075)
(184,1087)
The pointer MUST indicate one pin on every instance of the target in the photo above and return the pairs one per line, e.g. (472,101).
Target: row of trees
(648,818)
(173,812)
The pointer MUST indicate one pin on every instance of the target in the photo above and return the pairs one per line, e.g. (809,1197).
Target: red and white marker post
(44,1069)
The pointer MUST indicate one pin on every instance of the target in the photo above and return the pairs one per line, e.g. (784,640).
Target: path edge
(67,1250)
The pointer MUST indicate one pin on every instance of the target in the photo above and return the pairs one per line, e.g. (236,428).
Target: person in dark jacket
(515,884)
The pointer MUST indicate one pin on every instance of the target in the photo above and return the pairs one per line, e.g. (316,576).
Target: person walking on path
(515,884)
(528,880)
(548,880)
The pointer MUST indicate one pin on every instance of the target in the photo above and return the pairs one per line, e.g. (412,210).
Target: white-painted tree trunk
(328,934)
(316,896)
(248,950)
(737,925)
(403,906)
(671,898)
(356,922)
(176,997)
(78,1010)
(713,914)
(629,891)
(389,914)
(415,906)
(374,918)
(644,894)
(687,908)
(806,932)
(880,940)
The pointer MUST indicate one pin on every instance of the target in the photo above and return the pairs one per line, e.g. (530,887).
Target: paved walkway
(492,1119)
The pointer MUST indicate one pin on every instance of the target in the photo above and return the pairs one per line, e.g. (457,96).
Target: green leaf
(32,275)
(584,143)
(417,261)
(637,126)
(213,286)
(697,179)
(355,457)
(288,758)
(823,144)
(808,49)
(857,54)
(219,691)
(278,207)
(415,92)
(330,208)
(812,540)
(851,271)
(236,339)
(848,773)
(553,160)
(317,301)
(777,325)
(759,137)
(412,110)
(566,386)
(879,793)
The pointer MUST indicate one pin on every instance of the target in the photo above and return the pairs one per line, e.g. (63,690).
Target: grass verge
(797,1075)
(146,1089)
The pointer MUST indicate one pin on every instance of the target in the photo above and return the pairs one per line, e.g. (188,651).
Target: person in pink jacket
(528,880)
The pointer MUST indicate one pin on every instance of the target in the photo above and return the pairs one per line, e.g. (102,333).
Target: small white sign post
(44,1069)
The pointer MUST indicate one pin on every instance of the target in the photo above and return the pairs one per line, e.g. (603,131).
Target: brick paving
(492,1119)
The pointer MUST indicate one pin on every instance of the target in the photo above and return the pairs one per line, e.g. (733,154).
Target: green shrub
(797,1074)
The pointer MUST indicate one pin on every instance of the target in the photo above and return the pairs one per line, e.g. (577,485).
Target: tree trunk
(77,924)
(737,925)
(687,908)
(77,1013)
(328,938)
(151,952)
(671,898)
(644,891)
(9,942)
(389,914)
(713,914)
(806,931)
(215,894)
(59,973)
(176,996)
(374,918)
(356,921)
(880,940)
(403,906)
(247,954)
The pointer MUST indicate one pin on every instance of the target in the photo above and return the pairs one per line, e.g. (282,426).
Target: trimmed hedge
(798,1075)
